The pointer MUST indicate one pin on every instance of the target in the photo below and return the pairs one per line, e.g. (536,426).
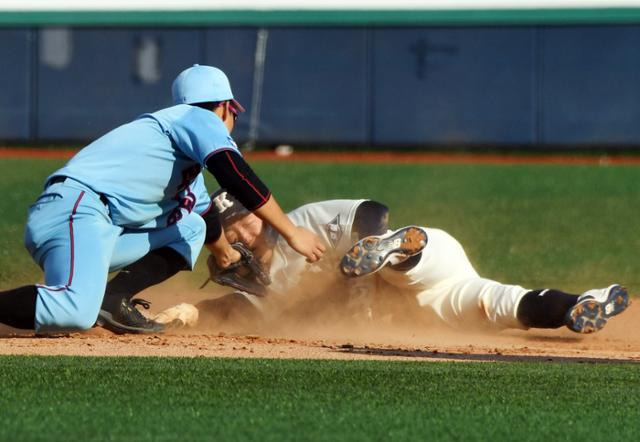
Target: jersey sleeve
(199,133)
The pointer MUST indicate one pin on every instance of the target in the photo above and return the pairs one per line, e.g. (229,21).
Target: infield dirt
(299,338)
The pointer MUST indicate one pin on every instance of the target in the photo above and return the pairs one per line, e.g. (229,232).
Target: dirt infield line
(378,157)
(538,347)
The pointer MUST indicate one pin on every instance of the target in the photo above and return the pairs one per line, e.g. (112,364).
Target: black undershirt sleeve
(234,174)
(214,226)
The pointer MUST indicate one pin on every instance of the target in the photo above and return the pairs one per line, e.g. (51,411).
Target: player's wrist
(293,234)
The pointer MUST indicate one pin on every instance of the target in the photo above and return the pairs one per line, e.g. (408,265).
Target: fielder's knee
(65,310)
(68,321)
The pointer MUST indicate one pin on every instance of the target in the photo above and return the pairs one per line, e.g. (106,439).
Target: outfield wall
(531,82)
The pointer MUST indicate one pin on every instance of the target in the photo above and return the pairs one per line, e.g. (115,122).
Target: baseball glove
(246,275)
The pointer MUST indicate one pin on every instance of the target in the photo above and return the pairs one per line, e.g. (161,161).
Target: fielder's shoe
(372,253)
(126,318)
(595,307)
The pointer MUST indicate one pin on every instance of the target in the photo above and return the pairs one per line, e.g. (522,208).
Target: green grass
(45,398)
(568,227)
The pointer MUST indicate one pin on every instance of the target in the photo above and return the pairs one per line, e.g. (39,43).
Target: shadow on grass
(481,357)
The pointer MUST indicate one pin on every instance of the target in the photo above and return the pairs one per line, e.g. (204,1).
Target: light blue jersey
(150,172)
(203,201)
(147,168)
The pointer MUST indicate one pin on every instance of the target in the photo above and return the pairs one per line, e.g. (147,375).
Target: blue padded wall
(453,86)
(232,50)
(15,87)
(103,86)
(315,86)
(590,87)
(522,85)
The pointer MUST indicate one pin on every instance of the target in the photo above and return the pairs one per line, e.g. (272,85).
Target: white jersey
(443,281)
(332,221)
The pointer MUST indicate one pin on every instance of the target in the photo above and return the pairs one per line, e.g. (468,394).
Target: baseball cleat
(126,318)
(372,253)
(595,307)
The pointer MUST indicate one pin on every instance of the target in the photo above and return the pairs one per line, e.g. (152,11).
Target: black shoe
(126,318)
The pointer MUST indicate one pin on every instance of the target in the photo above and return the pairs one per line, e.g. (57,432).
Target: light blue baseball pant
(70,235)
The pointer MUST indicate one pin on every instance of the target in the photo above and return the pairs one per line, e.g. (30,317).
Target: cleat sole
(590,315)
(372,253)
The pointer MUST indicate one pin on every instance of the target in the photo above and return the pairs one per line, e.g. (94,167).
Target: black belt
(61,179)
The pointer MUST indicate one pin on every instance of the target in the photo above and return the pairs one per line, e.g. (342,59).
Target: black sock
(18,307)
(545,308)
(155,267)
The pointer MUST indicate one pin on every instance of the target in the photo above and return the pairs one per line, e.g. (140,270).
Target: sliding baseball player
(426,263)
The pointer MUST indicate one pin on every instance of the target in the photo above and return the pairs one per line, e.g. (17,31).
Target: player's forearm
(214,226)
(272,213)
(300,239)
(234,174)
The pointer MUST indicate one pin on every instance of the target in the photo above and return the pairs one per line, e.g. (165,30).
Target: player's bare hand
(307,244)
(227,257)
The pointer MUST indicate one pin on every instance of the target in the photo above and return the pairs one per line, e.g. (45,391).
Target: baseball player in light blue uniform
(128,198)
